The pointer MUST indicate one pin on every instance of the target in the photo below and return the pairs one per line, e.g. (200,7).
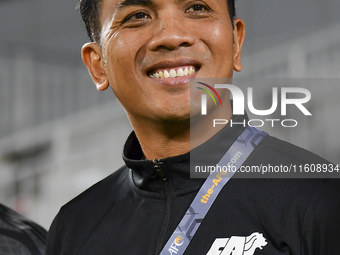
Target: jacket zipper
(168,205)
(157,164)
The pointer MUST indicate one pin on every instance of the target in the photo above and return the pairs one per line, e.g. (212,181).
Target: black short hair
(90,9)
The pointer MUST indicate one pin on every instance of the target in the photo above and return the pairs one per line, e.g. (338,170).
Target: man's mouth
(173,72)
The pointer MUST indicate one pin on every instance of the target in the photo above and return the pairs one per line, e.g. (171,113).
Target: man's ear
(239,33)
(92,58)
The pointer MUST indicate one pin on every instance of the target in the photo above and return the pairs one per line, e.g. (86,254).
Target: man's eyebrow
(126,3)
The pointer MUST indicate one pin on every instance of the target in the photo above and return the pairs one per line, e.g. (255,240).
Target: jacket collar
(177,169)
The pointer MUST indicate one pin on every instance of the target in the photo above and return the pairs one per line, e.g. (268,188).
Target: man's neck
(168,139)
(163,140)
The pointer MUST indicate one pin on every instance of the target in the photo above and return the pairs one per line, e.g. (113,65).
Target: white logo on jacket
(238,245)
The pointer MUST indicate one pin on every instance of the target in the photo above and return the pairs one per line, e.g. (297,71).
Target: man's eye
(140,15)
(196,8)
(137,16)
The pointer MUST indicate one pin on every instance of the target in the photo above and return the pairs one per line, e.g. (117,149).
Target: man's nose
(170,33)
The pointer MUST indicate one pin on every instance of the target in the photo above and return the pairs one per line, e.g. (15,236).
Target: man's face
(145,41)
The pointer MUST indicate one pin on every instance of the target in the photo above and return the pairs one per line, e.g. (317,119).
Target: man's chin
(174,118)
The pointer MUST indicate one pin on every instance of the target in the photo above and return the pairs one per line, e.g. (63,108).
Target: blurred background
(58,135)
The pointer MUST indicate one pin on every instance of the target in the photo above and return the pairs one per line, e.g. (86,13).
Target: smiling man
(147,51)
(172,40)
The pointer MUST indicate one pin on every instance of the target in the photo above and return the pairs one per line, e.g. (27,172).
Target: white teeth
(180,72)
(186,71)
(172,73)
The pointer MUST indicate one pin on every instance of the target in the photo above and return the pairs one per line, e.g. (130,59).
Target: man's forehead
(116,5)
(124,3)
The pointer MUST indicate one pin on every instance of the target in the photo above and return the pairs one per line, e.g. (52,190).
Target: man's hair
(90,10)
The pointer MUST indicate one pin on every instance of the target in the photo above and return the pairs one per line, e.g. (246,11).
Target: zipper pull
(158,167)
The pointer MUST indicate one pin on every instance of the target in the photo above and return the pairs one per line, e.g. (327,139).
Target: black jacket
(19,235)
(135,210)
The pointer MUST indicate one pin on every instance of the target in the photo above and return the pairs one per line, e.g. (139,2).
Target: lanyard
(233,158)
